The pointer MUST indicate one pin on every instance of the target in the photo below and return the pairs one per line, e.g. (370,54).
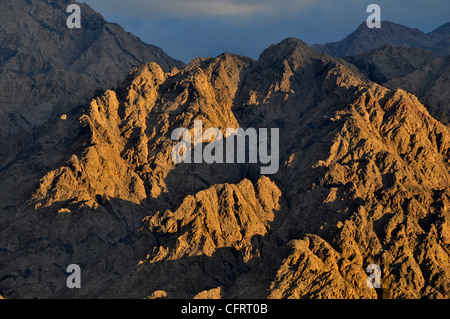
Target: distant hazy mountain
(440,33)
(396,35)
(385,63)
(47,68)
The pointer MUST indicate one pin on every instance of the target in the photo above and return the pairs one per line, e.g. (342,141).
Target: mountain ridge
(415,70)
(390,33)
(363,179)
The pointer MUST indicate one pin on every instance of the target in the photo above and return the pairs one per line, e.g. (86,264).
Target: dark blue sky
(186,29)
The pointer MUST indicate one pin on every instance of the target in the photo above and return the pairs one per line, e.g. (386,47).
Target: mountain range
(363,179)
(390,33)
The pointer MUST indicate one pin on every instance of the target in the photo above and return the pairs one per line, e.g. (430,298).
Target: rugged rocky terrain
(390,33)
(363,179)
(47,69)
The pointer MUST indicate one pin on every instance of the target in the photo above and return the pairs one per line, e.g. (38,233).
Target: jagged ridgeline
(363,180)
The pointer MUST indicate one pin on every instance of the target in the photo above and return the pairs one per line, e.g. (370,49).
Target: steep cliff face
(363,180)
(222,216)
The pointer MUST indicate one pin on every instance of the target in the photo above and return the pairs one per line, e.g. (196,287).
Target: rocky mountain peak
(388,62)
(290,50)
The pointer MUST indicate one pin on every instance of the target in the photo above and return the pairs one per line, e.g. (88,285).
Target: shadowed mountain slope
(46,69)
(411,69)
